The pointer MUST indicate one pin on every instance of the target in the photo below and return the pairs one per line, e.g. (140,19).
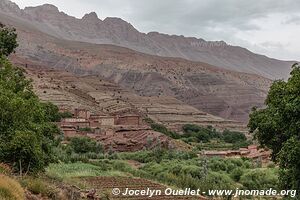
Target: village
(128,132)
(119,132)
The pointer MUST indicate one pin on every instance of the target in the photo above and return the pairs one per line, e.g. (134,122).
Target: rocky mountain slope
(98,95)
(48,19)
(201,86)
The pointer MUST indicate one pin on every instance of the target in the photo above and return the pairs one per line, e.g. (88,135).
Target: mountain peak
(49,7)
(91,16)
(43,8)
(9,6)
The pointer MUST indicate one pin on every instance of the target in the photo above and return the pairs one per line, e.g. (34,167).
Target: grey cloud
(293,20)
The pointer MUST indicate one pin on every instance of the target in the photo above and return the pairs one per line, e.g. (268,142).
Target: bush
(86,129)
(216,180)
(65,115)
(260,179)
(233,137)
(85,145)
(10,189)
(202,134)
(236,174)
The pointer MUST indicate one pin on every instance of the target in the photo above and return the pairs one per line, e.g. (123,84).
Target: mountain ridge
(91,29)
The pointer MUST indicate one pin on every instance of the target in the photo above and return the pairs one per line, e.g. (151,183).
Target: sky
(269,27)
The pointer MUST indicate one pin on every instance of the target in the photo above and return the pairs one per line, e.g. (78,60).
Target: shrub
(10,189)
(236,174)
(216,180)
(260,179)
(233,137)
(65,115)
(85,145)
(86,129)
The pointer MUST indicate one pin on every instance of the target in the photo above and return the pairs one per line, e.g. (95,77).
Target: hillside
(100,96)
(207,88)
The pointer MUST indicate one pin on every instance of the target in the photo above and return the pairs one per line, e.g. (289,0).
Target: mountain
(181,88)
(206,88)
(48,19)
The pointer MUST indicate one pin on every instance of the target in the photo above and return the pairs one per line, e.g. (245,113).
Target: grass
(10,189)
(38,185)
(75,170)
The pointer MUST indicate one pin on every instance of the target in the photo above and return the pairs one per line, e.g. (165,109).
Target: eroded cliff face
(48,19)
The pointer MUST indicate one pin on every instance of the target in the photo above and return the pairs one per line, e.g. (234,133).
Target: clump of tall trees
(278,127)
(27,134)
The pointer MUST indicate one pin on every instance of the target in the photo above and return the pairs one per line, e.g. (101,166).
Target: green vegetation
(162,129)
(8,40)
(72,170)
(83,145)
(157,155)
(86,129)
(39,186)
(26,131)
(175,169)
(278,126)
(79,149)
(65,115)
(194,133)
(206,137)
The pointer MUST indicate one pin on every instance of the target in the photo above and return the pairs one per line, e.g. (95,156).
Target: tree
(8,40)
(278,127)
(27,135)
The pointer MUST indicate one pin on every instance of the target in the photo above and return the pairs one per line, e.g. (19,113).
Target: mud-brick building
(76,122)
(82,113)
(69,131)
(134,120)
(97,121)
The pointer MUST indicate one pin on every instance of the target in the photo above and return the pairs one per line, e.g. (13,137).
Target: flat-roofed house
(77,122)
(96,121)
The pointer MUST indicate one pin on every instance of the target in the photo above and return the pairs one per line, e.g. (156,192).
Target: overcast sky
(270,27)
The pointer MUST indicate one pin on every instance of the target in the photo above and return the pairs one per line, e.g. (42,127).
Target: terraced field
(101,96)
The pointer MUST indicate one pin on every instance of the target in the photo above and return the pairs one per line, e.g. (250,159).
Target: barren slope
(94,93)
(217,91)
